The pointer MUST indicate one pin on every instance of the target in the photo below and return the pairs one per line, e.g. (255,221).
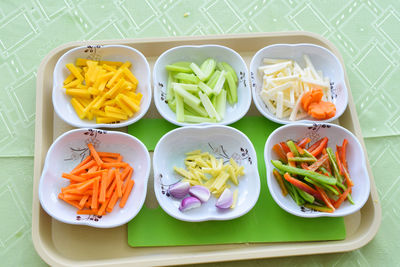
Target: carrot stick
(108,160)
(95,195)
(83,162)
(301,150)
(114,165)
(319,162)
(291,163)
(87,212)
(339,163)
(72,177)
(315,145)
(304,165)
(83,167)
(85,185)
(72,197)
(103,187)
(343,155)
(126,173)
(94,154)
(88,203)
(325,198)
(119,159)
(126,193)
(110,190)
(93,169)
(285,147)
(119,183)
(92,174)
(302,143)
(108,154)
(278,178)
(71,202)
(279,152)
(321,146)
(342,197)
(83,201)
(110,177)
(112,202)
(102,210)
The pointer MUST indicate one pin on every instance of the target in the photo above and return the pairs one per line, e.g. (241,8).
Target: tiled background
(365,31)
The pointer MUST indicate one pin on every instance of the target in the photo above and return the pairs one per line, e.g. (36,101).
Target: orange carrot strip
(87,212)
(83,162)
(112,202)
(114,165)
(108,154)
(85,185)
(290,155)
(72,202)
(302,143)
(72,197)
(95,195)
(94,154)
(83,167)
(315,145)
(103,187)
(119,159)
(108,160)
(301,150)
(325,198)
(110,177)
(279,152)
(343,155)
(92,174)
(72,177)
(321,146)
(339,163)
(110,190)
(126,172)
(342,197)
(319,163)
(92,169)
(83,201)
(126,193)
(88,203)
(119,183)
(304,165)
(102,210)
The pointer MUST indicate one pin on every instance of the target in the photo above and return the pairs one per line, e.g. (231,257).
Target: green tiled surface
(365,31)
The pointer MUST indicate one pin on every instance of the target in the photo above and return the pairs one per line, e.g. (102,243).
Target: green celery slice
(181,66)
(187,78)
(208,106)
(220,83)
(180,113)
(170,89)
(213,80)
(196,69)
(205,88)
(197,119)
(197,110)
(221,104)
(232,87)
(191,88)
(229,69)
(208,67)
(188,98)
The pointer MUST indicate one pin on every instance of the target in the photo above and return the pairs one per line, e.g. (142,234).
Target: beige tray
(65,245)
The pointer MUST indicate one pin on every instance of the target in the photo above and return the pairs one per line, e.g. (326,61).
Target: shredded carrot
(94,154)
(97,183)
(127,192)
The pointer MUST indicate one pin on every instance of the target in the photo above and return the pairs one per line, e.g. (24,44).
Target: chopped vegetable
(189,203)
(287,87)
(201,192)
(201,92)
(313,186)
(225,201)
(179,190)
(104,90)
(95,186)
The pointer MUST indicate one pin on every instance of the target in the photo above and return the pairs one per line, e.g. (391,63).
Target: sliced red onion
(189,203)
(179,190)
(225,200)
(201,192)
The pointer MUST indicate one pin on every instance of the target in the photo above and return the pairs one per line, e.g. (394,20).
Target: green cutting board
(266,222)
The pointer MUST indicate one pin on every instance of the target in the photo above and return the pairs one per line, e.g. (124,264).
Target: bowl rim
(363,163)
(174,121)
(271,117)
(208,218)
(82,124)
(89,223)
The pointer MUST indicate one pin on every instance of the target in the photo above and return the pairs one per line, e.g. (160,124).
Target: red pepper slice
(302,186)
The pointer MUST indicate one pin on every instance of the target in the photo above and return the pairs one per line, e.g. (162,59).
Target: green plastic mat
(266,222)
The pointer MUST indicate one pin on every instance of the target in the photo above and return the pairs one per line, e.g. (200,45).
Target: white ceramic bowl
(355,158)
(68,150)
(322,59)
(140,68)
(198,54)
(222,142)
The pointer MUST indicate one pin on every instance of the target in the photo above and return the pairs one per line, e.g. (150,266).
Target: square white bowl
(355,158)
(221,141)
(140,68)
(68,150)
(198,54)
(322,59)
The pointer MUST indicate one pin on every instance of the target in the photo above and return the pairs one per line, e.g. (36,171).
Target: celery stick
(220,83)
(197,119)
(197,110)
(221,104)
(228,68)
(213,100)
(232,86)
(205,88)
(170,89)
(172,105)
(187,97)
(180,113)
(208,106)
(228,94)
(181,66)
(211,82)
(187,78)
(196,69)
(191,88)
(208,67)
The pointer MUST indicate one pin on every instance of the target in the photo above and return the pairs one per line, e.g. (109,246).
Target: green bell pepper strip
(324,186)
(306,196)
(312,175)
(293,148)
(334,164)
(300,159)
(317,208)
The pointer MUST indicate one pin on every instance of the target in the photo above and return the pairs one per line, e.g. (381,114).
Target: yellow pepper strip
(111,63)
(114,110)
(105,120)
(123,106)
(130,76)
(78,93)
(73,84)
(116,88)
(132,105)
(116,115)
(109,68)
(78,108)
(69,79)
(75,71)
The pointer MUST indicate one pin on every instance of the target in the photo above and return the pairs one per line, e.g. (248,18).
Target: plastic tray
(65,245)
